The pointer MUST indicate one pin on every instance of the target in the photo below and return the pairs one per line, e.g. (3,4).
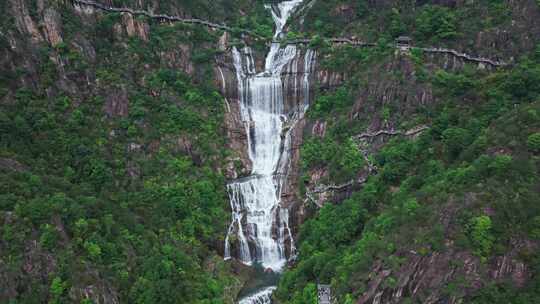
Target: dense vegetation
(112,150)
(427,22)
(114,185)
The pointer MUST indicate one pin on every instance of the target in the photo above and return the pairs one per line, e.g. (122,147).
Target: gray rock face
(117,103)
(11,164)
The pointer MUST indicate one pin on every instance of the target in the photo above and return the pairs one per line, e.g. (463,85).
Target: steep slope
(420,179)
(113,154)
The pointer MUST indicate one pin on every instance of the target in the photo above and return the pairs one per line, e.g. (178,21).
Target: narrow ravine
(259,231)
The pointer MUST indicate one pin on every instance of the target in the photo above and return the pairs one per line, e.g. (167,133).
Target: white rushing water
(264,296)
(260,226)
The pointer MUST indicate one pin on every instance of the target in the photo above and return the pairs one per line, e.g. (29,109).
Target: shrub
(535,229)
(501,163)
(327,103)
(93,249)
(316,42)
(57,288)
(533,142)
(411,206)
(396,160)
(481,235)
(264,30)
(351,160)
(99,173)
(309,294)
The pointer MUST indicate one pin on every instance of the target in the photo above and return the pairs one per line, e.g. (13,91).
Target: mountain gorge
(246,151)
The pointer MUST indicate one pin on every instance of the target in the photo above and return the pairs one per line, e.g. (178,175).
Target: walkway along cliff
(276,39)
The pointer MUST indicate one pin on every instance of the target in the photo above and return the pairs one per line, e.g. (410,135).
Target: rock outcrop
(94,289)
(11,164)
(135,27)
(23,21)
(239,164)
(53,26)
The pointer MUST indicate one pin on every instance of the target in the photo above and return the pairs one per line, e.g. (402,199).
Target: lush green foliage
(344,158)
(436,23)
(335,101)
(214,10)
(480,234)
(428,22)
(118,184)
(534,142)
(453,164)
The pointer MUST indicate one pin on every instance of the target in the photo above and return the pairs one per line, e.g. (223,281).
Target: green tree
(456,84)
(93,249)
(455,140)
(351,160)
(309,295)
(436,22)
(99,173)
(48,237)
(397,26)
(501,163)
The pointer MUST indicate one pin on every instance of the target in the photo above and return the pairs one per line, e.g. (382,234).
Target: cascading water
(259,223)
(264,296)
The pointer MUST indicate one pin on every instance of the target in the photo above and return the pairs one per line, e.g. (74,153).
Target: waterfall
(259,223)
(263,296)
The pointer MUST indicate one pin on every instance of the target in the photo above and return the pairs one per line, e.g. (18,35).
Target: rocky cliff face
(430,278)
(447,275)
(391,84)
(239,164)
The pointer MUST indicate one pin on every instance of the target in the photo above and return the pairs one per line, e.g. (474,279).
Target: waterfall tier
(263,296)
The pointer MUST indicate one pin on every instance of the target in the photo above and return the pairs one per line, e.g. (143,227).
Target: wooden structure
(403,41)
(324,296)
